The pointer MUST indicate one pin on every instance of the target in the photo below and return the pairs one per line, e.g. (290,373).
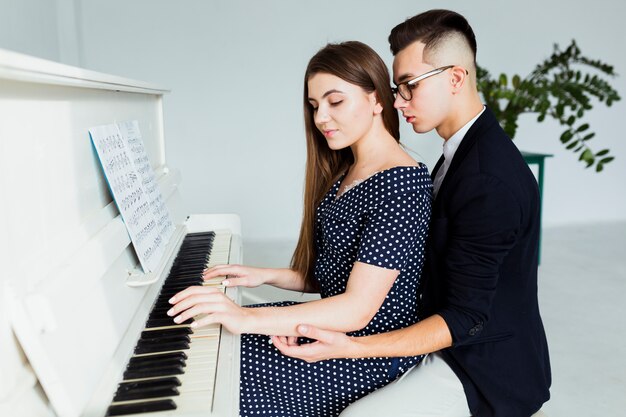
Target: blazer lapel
(437,167)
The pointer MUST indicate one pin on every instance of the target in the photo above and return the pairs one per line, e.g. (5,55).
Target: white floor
(582,286)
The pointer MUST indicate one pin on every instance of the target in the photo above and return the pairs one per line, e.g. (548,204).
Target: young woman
(361,245)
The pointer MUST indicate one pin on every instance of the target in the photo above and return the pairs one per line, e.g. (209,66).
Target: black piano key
(150,346)
(153,372)
(163,305)
(170,381)
(164,296)
(160,311)
(175,338)
(157,357)
(166,332)
(162,347)
(191,264)
(153,319)
(161,308)
(138,366)
(158,315)
(188,267)
(199,234)
(182,278)
(193,258)
(181,284)
(165,322)
(166,338)
(143,407)
(198,254)
(145,394)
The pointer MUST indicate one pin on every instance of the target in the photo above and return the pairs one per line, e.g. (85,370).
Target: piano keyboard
(173,367)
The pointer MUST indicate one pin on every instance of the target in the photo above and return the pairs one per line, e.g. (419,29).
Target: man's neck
(459,118)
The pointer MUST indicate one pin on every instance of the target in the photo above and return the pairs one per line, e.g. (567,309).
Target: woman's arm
(392,228)
(246,276)
(366,290)
(352,310)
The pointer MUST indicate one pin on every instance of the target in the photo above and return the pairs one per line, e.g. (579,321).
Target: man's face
(429,104)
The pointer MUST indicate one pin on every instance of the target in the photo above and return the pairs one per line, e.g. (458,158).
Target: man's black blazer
(481,274)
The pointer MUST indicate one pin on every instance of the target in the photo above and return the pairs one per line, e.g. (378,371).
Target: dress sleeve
(394,228)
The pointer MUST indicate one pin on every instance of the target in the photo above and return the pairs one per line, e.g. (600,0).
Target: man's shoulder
(497,155)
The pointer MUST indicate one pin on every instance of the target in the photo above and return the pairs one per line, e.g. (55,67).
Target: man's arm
(429,335)
(483,229)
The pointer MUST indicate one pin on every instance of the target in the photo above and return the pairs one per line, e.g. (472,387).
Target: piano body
(73,299)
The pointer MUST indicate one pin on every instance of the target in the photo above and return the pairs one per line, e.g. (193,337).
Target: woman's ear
(378,107)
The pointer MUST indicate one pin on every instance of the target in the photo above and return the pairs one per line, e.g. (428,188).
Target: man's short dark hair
(429,28)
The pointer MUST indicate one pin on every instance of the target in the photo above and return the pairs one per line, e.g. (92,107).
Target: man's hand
(328,345)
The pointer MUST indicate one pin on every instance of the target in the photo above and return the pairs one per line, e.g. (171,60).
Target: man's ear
(458,78)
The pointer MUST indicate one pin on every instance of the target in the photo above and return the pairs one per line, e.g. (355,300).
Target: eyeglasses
(405,89)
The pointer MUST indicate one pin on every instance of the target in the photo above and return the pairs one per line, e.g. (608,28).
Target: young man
(481,315)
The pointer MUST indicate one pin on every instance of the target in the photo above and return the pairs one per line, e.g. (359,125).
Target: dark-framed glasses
(405,89)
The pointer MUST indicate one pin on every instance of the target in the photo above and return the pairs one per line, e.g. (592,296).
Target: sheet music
(134,188)
(130,130)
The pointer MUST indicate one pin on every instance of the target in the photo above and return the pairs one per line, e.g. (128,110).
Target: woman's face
(343,112)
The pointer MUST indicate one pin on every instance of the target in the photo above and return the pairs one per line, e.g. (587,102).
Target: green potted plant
(562,87)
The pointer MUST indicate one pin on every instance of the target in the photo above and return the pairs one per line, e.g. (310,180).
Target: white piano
(74,302)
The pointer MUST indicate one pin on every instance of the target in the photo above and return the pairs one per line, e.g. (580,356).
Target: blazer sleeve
(484,220)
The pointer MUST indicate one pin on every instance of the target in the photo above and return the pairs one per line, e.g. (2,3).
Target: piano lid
(68,248)
(16,66)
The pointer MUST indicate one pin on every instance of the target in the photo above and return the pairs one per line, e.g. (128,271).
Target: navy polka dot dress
(382,221)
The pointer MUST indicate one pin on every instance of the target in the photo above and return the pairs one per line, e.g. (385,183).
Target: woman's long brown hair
(360,65)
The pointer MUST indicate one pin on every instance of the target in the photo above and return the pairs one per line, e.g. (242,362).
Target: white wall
(30,27)
(234,118)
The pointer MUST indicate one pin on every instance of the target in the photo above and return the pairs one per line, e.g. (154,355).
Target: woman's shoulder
(401,179)
(418,170)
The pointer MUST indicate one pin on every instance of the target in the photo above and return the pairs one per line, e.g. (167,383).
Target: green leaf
(589,136)
(602,152)
(559,110)
(503,80)
(583,127)
(566,136)
(599,167)
(570,120)
(572,145)
(587,156)
(607,159)
(516,81)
